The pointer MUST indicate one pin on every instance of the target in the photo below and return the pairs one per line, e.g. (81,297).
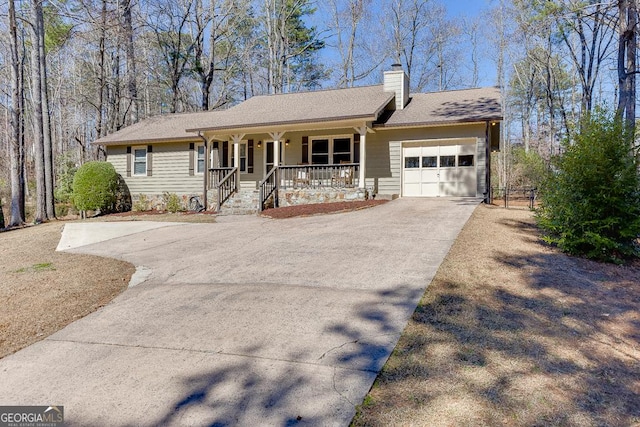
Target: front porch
(285,168)
(289,185)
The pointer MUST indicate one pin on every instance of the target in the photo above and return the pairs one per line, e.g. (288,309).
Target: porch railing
(319,176)
(216,175)
(267,187)
(227,186)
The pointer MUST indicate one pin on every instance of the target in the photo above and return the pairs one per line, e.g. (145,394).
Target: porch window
(331,150)
(242,163)
(140,161)
(319,151)
(341,150)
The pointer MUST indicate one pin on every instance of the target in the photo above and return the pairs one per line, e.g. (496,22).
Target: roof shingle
(454,106)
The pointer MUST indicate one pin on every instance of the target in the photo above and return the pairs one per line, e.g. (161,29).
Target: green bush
(172,202)
(142,204)
(94,186)
(590,203)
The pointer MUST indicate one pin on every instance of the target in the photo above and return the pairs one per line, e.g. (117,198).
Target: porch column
(236,156)
(363,155)
(277,137)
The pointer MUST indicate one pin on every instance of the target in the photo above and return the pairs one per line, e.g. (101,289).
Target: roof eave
(194,138)
(295,124)
(383,126)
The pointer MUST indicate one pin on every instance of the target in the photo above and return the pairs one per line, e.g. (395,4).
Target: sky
(455,9)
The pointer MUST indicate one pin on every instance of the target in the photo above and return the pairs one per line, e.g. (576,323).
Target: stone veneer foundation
(308,196)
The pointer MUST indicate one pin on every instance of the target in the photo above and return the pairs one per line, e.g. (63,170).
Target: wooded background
(72,71)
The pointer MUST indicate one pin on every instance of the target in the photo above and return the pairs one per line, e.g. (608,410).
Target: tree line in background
(72,71)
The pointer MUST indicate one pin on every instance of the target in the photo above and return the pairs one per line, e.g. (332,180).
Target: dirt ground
(41,290)
(512,333)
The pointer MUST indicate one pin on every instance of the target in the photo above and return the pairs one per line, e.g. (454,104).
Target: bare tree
(627,51)
(132,85)
(15,142)
(40,213)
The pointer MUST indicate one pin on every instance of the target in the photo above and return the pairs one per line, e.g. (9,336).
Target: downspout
(206,170)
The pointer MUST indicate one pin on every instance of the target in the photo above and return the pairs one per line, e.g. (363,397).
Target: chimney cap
(396,67)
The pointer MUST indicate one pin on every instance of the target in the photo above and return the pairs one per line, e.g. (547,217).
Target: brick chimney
(396,80)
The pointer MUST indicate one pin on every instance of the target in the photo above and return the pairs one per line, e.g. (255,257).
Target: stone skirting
(159,202)
(308,196)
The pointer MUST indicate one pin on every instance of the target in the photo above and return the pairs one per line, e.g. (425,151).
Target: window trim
(196,152)
(244,142)
(146,163)
(330,154)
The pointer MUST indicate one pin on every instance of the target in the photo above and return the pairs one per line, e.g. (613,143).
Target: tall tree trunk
(17,189)
(132,85)
(40,214)
(627,46)
(100,127)
(46,120)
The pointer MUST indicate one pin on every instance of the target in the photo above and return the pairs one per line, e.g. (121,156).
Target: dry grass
(513,333)
(41,290)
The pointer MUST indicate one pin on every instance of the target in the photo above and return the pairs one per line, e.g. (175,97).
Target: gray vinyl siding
(383,161)
(481,157)
(170,170)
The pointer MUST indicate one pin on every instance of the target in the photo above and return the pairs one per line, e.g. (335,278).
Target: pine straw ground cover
(513,333)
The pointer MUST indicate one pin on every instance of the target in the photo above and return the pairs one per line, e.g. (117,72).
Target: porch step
(244,202)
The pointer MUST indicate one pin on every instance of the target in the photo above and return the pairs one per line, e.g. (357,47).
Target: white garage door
(439,170)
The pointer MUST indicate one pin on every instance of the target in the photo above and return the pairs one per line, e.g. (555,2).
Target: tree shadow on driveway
(303,387)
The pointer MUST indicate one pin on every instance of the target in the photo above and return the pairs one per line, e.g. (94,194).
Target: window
(140,161)
(333,150)
(430,162)
(200,159)
(320,152)
(412,162)
(465,160)
(341,150)
(447,161)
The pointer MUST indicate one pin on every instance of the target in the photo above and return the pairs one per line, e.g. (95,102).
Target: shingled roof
(454,106)
(366,103)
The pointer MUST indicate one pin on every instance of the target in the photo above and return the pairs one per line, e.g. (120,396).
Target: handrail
(227,186)
(267,187)
(216,175)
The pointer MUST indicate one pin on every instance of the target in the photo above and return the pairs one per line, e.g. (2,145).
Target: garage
(439,169)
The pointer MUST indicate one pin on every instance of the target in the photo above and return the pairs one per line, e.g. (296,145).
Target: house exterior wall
(170,173)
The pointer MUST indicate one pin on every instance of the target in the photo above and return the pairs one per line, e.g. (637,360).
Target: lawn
(41,290)
(510,332)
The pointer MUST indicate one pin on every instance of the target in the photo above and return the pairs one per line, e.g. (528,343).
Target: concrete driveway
(248,321)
